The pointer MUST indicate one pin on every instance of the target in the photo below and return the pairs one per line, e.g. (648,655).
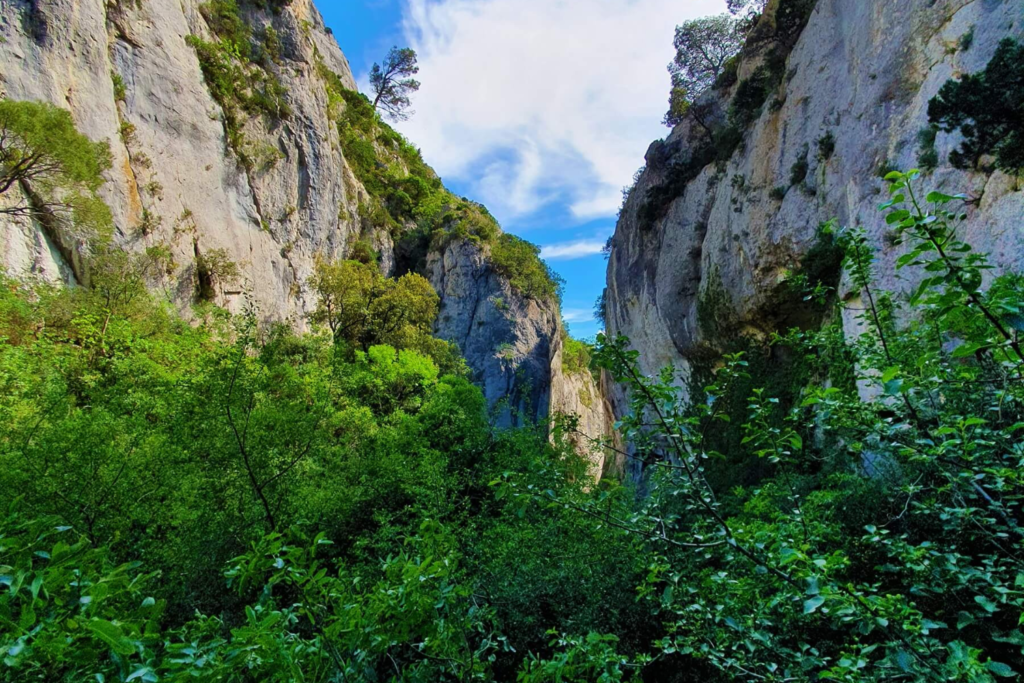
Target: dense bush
(576,355)
(988,109)
(228,501)
(519,261)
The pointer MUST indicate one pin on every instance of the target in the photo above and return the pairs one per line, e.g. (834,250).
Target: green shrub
(519,262)
(798,171)
(826,146)
(364,252)
(927,155)
(751,96)
(120,90)
(575,355)
(729,74)
(885,167)
(240,88)
(226,22)
(966,40)
(986,109)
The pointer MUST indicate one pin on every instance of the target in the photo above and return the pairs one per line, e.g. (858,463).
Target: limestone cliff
(851,104)
(514,345)
(175,181)
(264,182)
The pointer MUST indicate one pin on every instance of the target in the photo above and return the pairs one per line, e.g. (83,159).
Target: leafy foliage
(703,48)
(362,308)
(237,68)
(987,109)
(576,355)
(230,501)
(56,171)
(880,540)
(519,261)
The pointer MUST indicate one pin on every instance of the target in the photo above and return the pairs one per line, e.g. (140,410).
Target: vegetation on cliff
(988,109)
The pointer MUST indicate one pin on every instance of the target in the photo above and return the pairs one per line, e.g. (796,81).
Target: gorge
(279,405)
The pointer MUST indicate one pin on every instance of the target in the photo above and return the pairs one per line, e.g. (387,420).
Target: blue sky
(540,109)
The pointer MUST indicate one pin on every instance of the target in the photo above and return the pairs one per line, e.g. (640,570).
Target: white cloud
(577,315)
(571,250)
(534,101)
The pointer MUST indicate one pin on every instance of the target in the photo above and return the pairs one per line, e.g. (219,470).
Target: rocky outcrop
(861,76)
(513,344)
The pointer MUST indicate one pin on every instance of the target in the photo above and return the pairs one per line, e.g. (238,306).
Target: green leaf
(940,198)
(989,606)
(894,387)
(812,604)
(1000,669)
(144,673)
(111,634)
(787,555)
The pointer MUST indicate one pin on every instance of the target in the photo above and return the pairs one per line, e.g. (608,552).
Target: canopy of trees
(364,308)
(229,501)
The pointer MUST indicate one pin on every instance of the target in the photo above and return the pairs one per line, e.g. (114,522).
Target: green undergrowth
(802,301)
(576,355)
(227,500)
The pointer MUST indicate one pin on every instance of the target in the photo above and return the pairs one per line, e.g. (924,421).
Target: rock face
(862,72)
(514,346)
(174,181)
(178,183)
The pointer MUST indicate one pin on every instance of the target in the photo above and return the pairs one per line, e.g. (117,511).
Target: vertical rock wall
(862,72)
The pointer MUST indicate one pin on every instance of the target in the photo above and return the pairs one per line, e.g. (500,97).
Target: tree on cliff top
(748,6)
(392,83)
(56,170)
(703,47)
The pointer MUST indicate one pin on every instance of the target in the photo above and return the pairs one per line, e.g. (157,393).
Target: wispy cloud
(533,102)
(577,315)
(571,250)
